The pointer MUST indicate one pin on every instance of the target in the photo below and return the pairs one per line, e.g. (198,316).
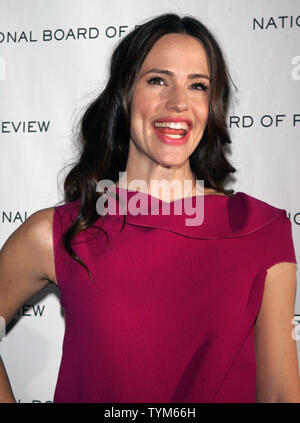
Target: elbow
(289,398)
(284,396)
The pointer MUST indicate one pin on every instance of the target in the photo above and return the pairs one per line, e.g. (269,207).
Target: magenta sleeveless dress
(170,314)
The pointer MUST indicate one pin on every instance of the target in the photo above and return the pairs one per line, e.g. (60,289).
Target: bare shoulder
(26,262)
(40,226)
(34,238)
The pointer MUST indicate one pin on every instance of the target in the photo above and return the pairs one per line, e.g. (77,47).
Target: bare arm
(26,267)
(276,350)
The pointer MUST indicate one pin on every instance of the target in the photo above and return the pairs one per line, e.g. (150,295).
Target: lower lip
(171,141)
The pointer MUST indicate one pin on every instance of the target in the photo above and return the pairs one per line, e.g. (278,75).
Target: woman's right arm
(26,267)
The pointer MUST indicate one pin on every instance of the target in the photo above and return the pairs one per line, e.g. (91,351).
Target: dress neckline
(130,193)
(197,216)
(232,217)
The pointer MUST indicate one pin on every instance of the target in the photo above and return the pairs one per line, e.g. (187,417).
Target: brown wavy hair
(105,126)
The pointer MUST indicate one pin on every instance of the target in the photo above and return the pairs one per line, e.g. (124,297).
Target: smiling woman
(170,103)
(166,71)
(166,311)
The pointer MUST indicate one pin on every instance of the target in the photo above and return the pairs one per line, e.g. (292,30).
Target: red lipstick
(165,134)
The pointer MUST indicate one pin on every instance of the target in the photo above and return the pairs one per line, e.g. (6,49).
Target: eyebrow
(171,74)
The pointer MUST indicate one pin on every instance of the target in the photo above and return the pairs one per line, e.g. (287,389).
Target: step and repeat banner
(54,58)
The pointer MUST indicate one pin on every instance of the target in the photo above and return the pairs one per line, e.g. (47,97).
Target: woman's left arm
(278,377)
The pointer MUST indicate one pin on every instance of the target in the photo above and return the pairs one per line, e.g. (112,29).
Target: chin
(171,162)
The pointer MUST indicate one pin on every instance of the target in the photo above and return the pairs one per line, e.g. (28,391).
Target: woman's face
(170,102)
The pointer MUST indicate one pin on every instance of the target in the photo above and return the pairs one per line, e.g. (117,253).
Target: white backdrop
(53,61)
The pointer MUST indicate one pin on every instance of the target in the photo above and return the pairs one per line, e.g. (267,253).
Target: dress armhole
(279,245)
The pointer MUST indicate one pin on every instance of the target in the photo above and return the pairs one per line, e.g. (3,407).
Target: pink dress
(170,314)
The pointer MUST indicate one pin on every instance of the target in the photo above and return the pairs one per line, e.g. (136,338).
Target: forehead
(178,50)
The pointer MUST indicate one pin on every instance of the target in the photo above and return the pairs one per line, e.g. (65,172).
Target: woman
(158,310)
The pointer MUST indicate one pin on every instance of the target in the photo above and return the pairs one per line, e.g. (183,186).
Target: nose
(177,99)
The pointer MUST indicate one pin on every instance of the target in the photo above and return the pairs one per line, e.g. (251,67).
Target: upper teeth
(173,125)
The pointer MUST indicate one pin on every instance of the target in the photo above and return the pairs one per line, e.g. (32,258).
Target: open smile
(175,131)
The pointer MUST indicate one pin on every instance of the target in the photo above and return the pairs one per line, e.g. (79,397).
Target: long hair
(105,126)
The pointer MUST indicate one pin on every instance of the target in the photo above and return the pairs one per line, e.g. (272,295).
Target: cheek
(202,109)
(144,104)
(205,112)
(140,111)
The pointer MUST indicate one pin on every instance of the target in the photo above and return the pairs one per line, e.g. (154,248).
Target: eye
(155,81)
(199,86)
